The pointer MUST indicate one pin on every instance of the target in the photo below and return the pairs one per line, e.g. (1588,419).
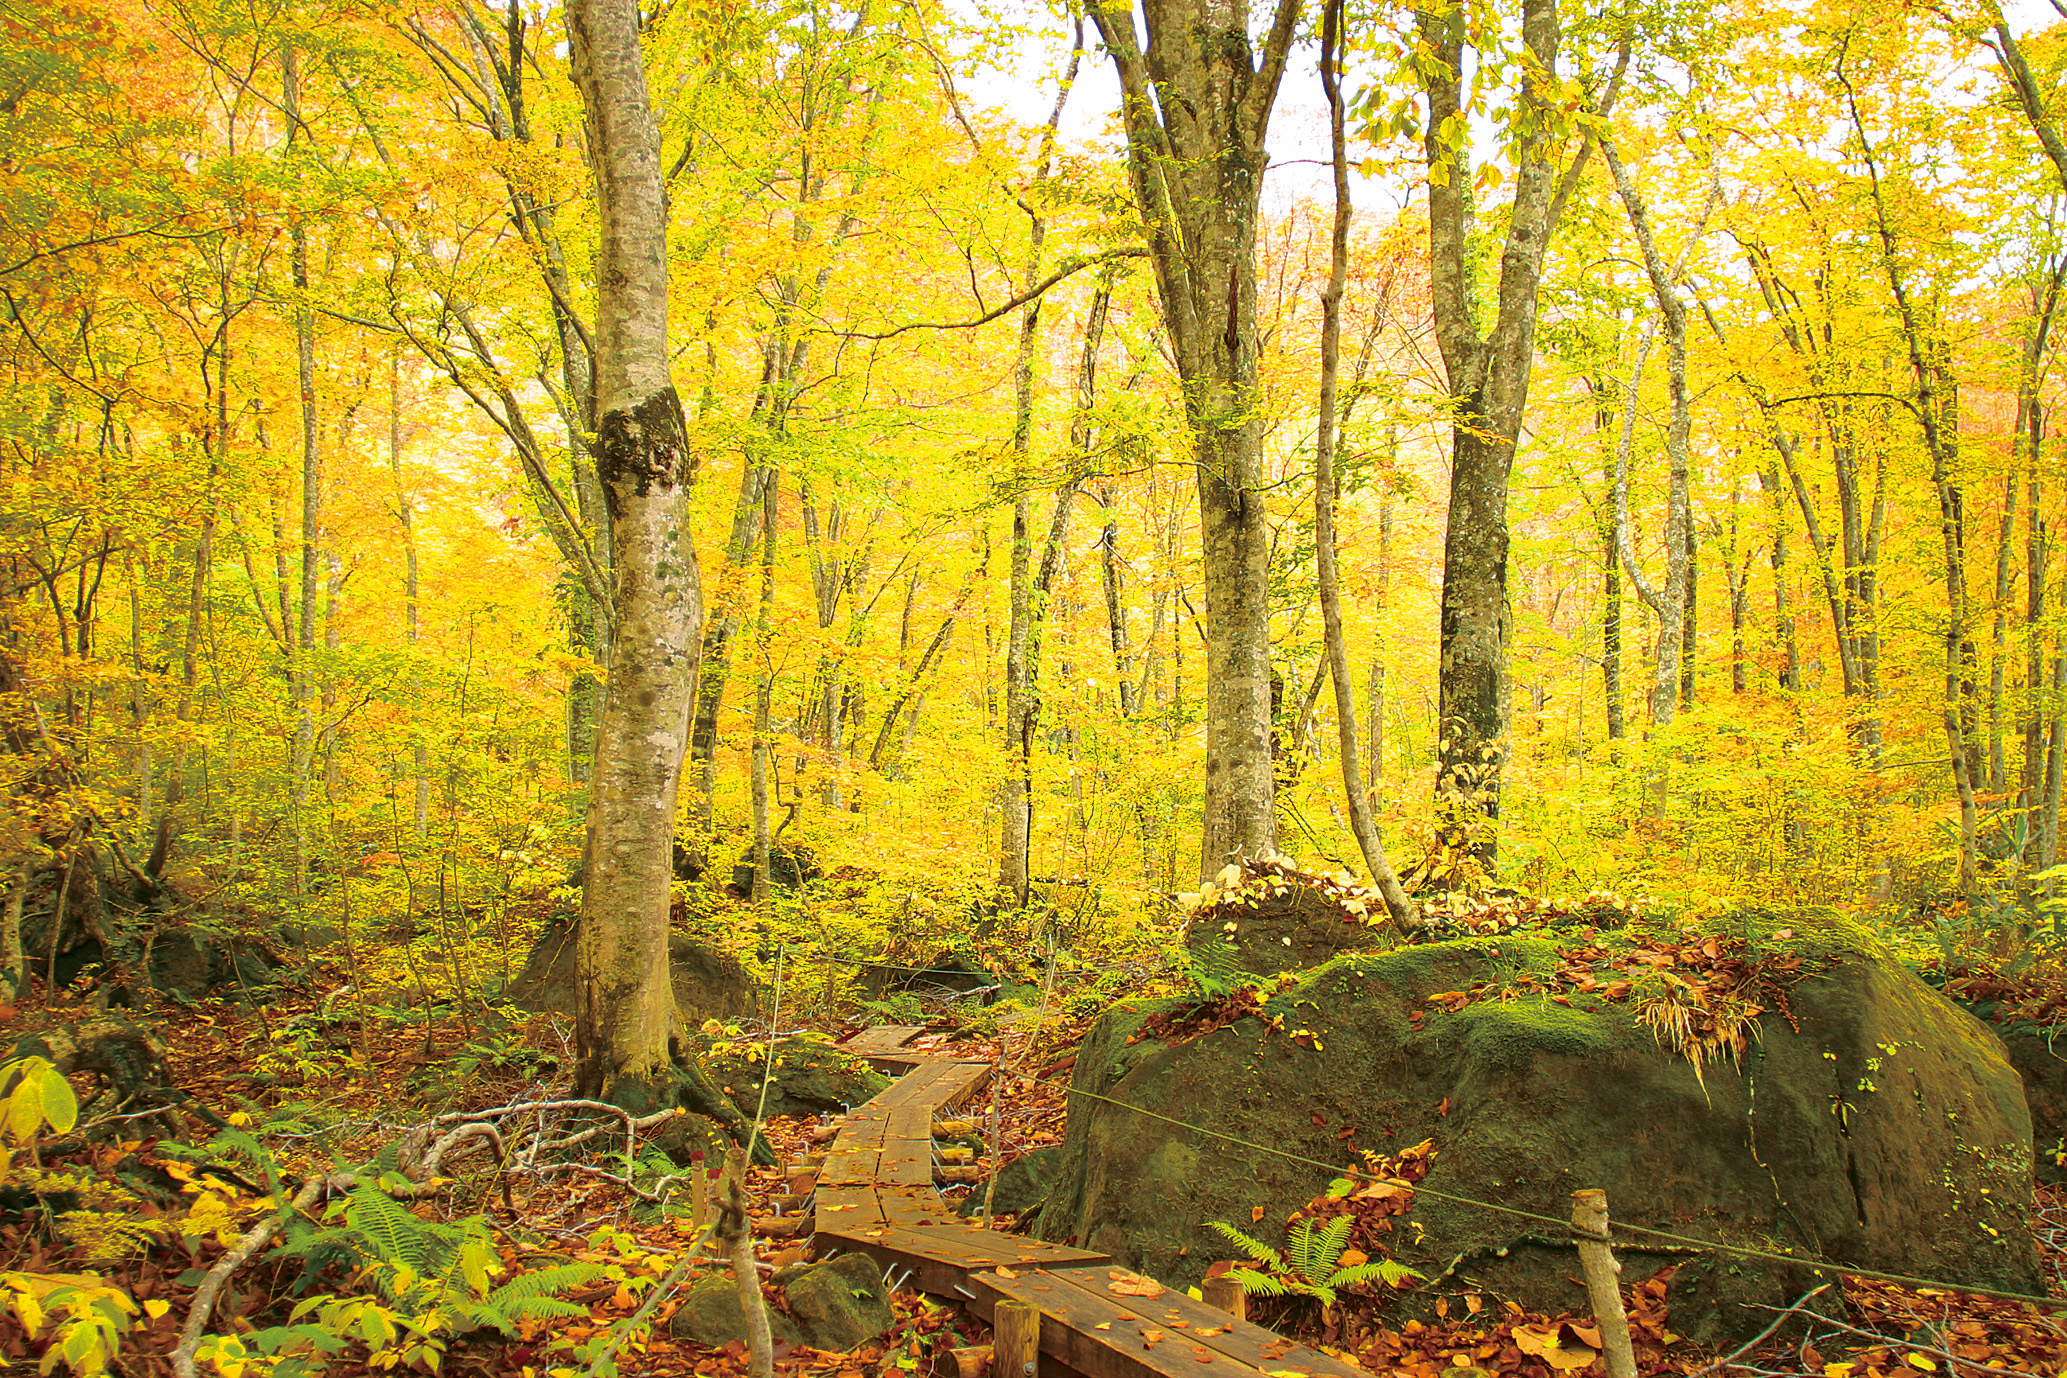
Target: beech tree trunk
(1488,378)
(625,1006)
(1196,97)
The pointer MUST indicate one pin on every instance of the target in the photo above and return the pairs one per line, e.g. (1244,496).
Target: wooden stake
(1590,1224)
(1226,1294)
(1015,1340)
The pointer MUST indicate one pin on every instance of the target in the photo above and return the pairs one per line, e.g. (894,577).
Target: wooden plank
(956,1085)
(910,1121)
(883,1038)
(936,1266)
(1011,1250)
(1082,1300)
(858,1207)
(914,1087)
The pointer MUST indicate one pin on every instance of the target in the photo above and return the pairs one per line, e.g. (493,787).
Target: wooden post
(1015,1340)
(964,1363)
(1226,1294)
(1590,1224)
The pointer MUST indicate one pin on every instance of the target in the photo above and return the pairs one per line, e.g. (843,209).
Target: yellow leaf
(1915,1360)
(156,1307)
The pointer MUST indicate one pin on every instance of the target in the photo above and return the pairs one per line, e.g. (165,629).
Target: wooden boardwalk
(875,1195)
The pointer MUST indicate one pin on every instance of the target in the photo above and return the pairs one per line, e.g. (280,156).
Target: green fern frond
(1313,1253)
(1215,967)
(1253,1247)
(391,1233)
(1386,1272)
(1260,1284)
(546,1282)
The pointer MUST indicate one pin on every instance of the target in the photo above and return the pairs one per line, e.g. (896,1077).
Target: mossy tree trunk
(625,1014)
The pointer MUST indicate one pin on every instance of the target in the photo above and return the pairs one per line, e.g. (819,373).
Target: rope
(1737,1250)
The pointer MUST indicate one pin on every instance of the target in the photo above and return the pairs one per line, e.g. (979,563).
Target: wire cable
(1815,1265)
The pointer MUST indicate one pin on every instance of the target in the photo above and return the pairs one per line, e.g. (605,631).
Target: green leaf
(60,1107)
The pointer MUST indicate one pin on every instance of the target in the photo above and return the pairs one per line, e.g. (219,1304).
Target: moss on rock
(1882,1129)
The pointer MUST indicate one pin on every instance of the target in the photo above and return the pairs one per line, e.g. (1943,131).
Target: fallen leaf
(1103,1325)
(1352,1257)
(1255,1213)
(1202,1354)
(1151,1338)
(1005,1273)
(1128,1284)
(1207,1332)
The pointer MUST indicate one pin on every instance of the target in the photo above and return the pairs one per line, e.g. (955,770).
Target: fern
(1256,1249)
(1215,968)
(1309,1265)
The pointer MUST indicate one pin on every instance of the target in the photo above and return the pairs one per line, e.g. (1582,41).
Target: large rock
(811,1076)
(708,984)
(2040,1056)
(1886,1129)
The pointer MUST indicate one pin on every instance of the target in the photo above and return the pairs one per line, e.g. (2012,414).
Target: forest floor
(298,1065)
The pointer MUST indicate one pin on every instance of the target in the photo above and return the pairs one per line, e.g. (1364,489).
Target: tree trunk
(1488,381)
(1196,102)
(1925,375)
(762,761)
(1405,915)
(625,1005)
(300,676)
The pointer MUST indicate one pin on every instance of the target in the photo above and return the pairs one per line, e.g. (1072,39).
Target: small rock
(841,1304)
(710,1314)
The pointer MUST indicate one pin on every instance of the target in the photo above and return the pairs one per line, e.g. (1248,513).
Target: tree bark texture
(1488,379)
(625,1007)
(1196,100)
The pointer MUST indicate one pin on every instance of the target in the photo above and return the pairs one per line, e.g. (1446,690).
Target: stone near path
(1889,1131)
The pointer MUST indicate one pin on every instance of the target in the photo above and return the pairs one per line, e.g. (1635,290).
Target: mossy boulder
(711,1314)
(840,1304)
(1882,1128)
(708,984)
(2039,1054)
(812,1076)
(1023,1184)
(1266,917)
(837,1305)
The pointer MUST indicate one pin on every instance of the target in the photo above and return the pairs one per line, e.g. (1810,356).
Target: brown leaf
(1126,1284)
(1151,1338)
(1202,1354)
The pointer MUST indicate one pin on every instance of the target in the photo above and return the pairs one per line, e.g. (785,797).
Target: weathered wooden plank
(958,1082)
(857,1207)
(1082,1300)
(1010,1250)
(883,1038)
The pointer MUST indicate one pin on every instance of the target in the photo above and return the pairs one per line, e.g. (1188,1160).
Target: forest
(588,587)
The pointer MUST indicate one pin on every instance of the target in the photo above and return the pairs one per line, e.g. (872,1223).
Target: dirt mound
(1267,916)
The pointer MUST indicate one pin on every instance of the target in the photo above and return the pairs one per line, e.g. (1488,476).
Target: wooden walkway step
(875,1196)
(883,1047)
